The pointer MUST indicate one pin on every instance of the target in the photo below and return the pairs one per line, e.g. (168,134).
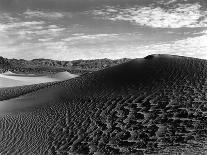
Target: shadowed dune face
(152,105)
(31,101)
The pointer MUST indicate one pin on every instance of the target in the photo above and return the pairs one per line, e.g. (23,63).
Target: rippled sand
(155,105)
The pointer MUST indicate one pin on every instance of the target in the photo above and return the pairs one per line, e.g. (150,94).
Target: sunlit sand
(10,79)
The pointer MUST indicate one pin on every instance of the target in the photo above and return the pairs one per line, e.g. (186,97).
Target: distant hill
(4,64)
(47,65)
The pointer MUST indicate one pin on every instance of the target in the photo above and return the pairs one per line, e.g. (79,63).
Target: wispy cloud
(18,37)
(76,37)
(34,38)
(41,14)
(24,29)
(64,50)
(52,15)
(183,15)
(192,46)
(23,24)
(36,34)
(14,24)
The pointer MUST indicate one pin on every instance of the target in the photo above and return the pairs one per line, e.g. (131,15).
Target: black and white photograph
(103,77)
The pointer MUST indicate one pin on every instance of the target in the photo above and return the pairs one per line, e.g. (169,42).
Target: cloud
(46,31)
(35,37)
(22,30)
(45,39)
(63,50)
(82,36)
(43,14)
(192,47)
(182,15)
(19,36)
(17,31)
(20,25)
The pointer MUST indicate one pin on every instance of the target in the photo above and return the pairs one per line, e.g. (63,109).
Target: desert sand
(10,79)
(154,105)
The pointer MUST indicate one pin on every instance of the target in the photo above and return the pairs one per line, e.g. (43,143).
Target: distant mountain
(4,64)
(47,65)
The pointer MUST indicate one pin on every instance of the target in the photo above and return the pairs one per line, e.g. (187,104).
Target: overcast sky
(88,29)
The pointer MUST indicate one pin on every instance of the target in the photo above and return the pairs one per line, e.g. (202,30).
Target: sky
(95,29)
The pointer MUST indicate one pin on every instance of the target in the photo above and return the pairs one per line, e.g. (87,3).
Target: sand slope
(151,105)
(9,79)
(5,82)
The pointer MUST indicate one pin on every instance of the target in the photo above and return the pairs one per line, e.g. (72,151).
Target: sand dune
(155,105)
(10,79)
(5,82)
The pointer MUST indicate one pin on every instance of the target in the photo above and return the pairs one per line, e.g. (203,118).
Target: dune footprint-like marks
(155,105)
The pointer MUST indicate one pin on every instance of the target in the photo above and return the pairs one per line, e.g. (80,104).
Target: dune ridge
(154,105)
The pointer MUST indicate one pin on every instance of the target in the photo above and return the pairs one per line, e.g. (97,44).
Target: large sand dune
(151,105)
(10,79)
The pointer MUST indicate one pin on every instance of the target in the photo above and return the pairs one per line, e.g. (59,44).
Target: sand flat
(9,79)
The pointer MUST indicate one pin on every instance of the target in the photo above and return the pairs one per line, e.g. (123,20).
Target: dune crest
(154,106)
